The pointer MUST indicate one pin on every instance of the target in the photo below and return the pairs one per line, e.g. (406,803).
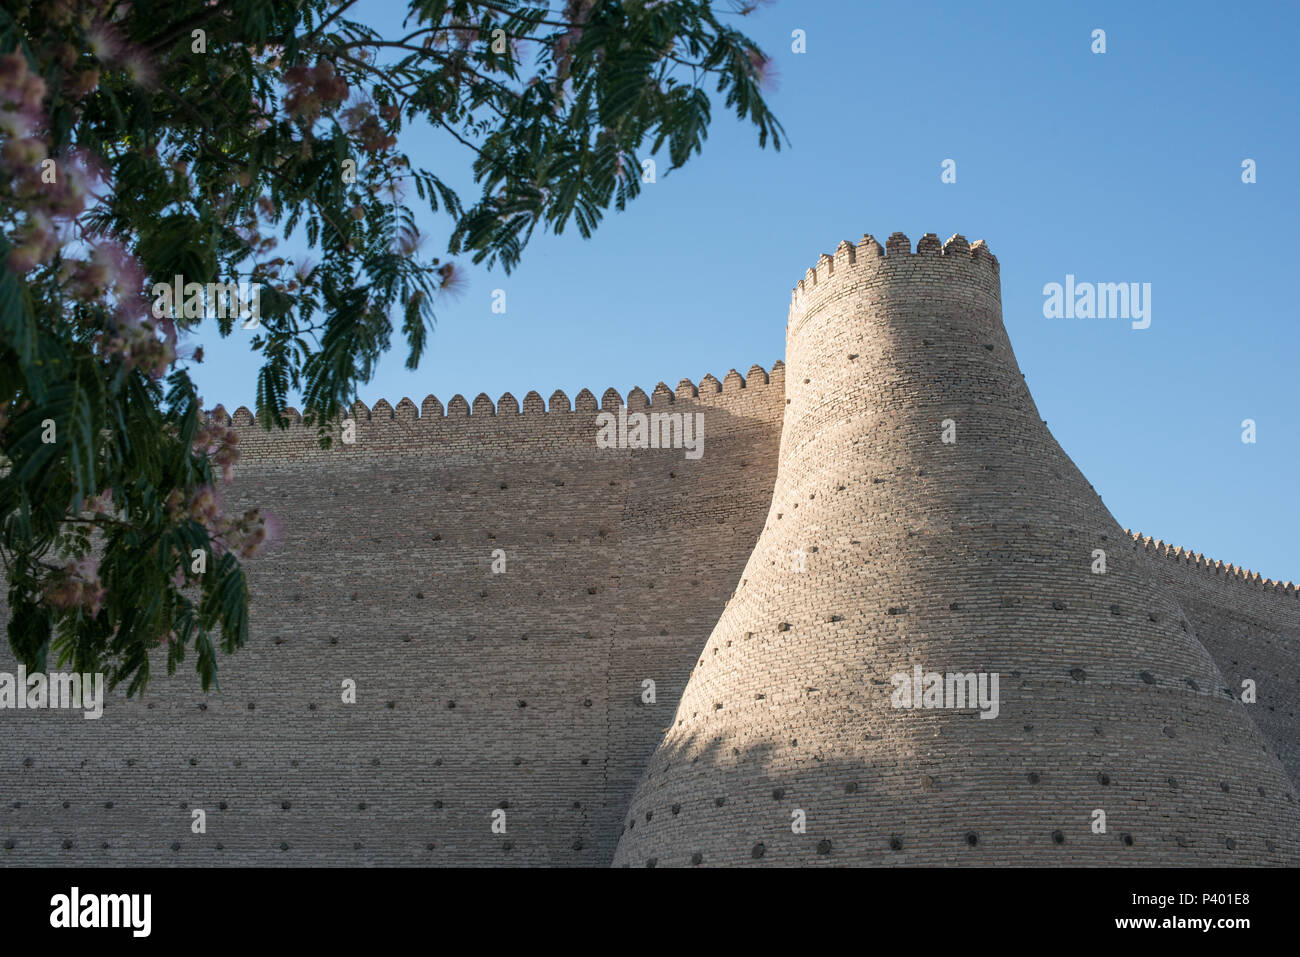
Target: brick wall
(523,691)
(476,691)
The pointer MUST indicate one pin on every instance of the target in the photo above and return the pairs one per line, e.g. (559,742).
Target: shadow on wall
(796,803)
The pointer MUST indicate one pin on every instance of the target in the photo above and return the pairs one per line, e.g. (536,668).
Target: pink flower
(105,42)
(101,504)
(452,280)
(76,585)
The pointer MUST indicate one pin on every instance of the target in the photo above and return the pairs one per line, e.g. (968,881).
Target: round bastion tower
(924,520)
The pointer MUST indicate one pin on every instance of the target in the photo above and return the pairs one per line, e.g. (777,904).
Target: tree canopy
(146,140)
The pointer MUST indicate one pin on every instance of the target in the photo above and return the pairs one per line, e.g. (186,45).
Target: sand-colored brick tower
(887,547)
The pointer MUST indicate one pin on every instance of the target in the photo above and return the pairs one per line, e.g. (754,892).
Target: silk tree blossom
(452,281)
(762,69)
(408,241)
(101,504)
(219,444)
(76,585)
(105,43)
(313,90)
(21,95)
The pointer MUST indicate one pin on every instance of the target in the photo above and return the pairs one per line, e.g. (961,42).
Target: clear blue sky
(1117,167)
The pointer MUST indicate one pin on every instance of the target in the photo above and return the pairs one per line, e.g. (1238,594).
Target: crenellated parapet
(755,395)
(1224,570)
(952,268)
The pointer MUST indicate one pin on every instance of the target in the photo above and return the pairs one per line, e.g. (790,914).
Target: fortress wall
(475,691)
(1251,626)
(619,565)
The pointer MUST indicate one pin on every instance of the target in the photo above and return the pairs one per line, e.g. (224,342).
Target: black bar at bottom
(297,905)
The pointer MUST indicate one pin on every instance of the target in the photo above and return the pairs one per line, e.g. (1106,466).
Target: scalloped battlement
(868,257)
(734,392)
(1227,570)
